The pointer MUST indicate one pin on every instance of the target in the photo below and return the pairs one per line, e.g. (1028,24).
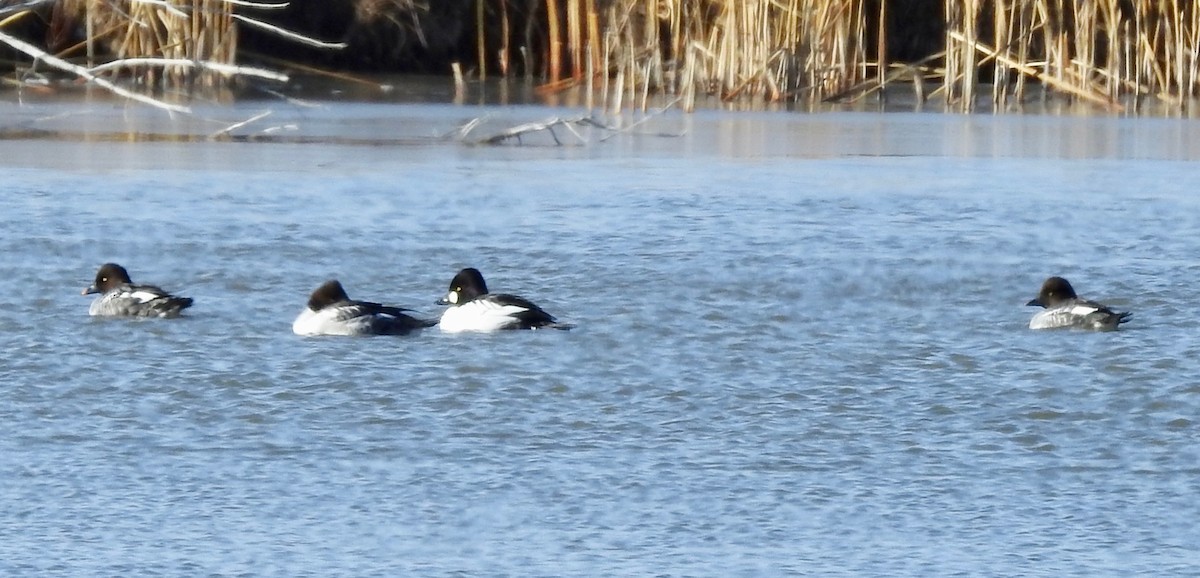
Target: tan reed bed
(766,49)
(142,31)
(1112,53)
(1108,53)
(161,44)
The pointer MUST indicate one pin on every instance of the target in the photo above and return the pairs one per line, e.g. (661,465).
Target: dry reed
(1105,52)
(734,49)
(171,42)
(1109,52)
(1114,53)
(174,30)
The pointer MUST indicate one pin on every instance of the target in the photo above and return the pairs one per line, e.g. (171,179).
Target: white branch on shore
(226,69)
(289,34)
(238,125)
(258,5)
(82,72)
(23,7)
(461,132)
(644,119)
(548,125)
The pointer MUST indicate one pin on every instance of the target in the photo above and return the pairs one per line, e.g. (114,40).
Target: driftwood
(288,34)
(218,67)
(516,132)
(548,125)
(92,75)
(43,56)
(95,75)
(225,131)
(31,4)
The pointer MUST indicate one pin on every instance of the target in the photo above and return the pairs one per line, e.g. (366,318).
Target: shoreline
(696,49)
(370,137)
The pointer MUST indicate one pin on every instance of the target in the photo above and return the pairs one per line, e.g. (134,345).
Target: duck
(1065,309)
(330,311)
(120,297)
(472,308)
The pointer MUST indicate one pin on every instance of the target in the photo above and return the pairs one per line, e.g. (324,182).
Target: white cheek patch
(1083,310)
(452,297)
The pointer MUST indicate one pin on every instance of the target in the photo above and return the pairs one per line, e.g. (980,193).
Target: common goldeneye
(472,308)
(121,298)
(331,312)
(1065,309)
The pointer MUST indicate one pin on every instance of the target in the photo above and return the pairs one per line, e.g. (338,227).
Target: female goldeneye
(1065,309)
(331,312)
(121,298)
(472,308)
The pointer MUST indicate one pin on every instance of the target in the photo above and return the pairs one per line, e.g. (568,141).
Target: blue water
(801,349)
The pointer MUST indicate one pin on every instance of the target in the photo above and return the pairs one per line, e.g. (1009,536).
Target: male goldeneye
(120,297)
(1065,309)
(331,312)
(472,308)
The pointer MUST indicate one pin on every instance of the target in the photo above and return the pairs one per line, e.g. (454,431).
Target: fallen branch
(237,125)
(1042,77)
(868,87)
(462,131)
(226,69)
(644,119)
(258,5)
(289,34)
(570,124)
(31,4)
(547,125)
(83,73)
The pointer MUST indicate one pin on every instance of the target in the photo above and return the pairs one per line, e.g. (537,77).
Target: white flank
(1082,310)
(143,296)
(326,322)
(479,315)
(1077,316)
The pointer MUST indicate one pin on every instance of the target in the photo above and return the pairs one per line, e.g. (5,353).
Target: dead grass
(1111,53)
(1115,54)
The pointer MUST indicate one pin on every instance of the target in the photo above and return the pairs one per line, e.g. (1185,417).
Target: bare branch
(82,72)
(258,5)
(572,125)
(227,69)
(238,125)
(289,34)
(22,7)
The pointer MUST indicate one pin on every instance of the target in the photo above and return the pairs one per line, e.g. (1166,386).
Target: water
(800,350)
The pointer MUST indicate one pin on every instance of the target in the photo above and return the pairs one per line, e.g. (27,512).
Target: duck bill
(442,301)
(1034,303)
(89,290)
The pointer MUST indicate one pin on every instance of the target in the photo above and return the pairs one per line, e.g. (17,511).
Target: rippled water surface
(801,349)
